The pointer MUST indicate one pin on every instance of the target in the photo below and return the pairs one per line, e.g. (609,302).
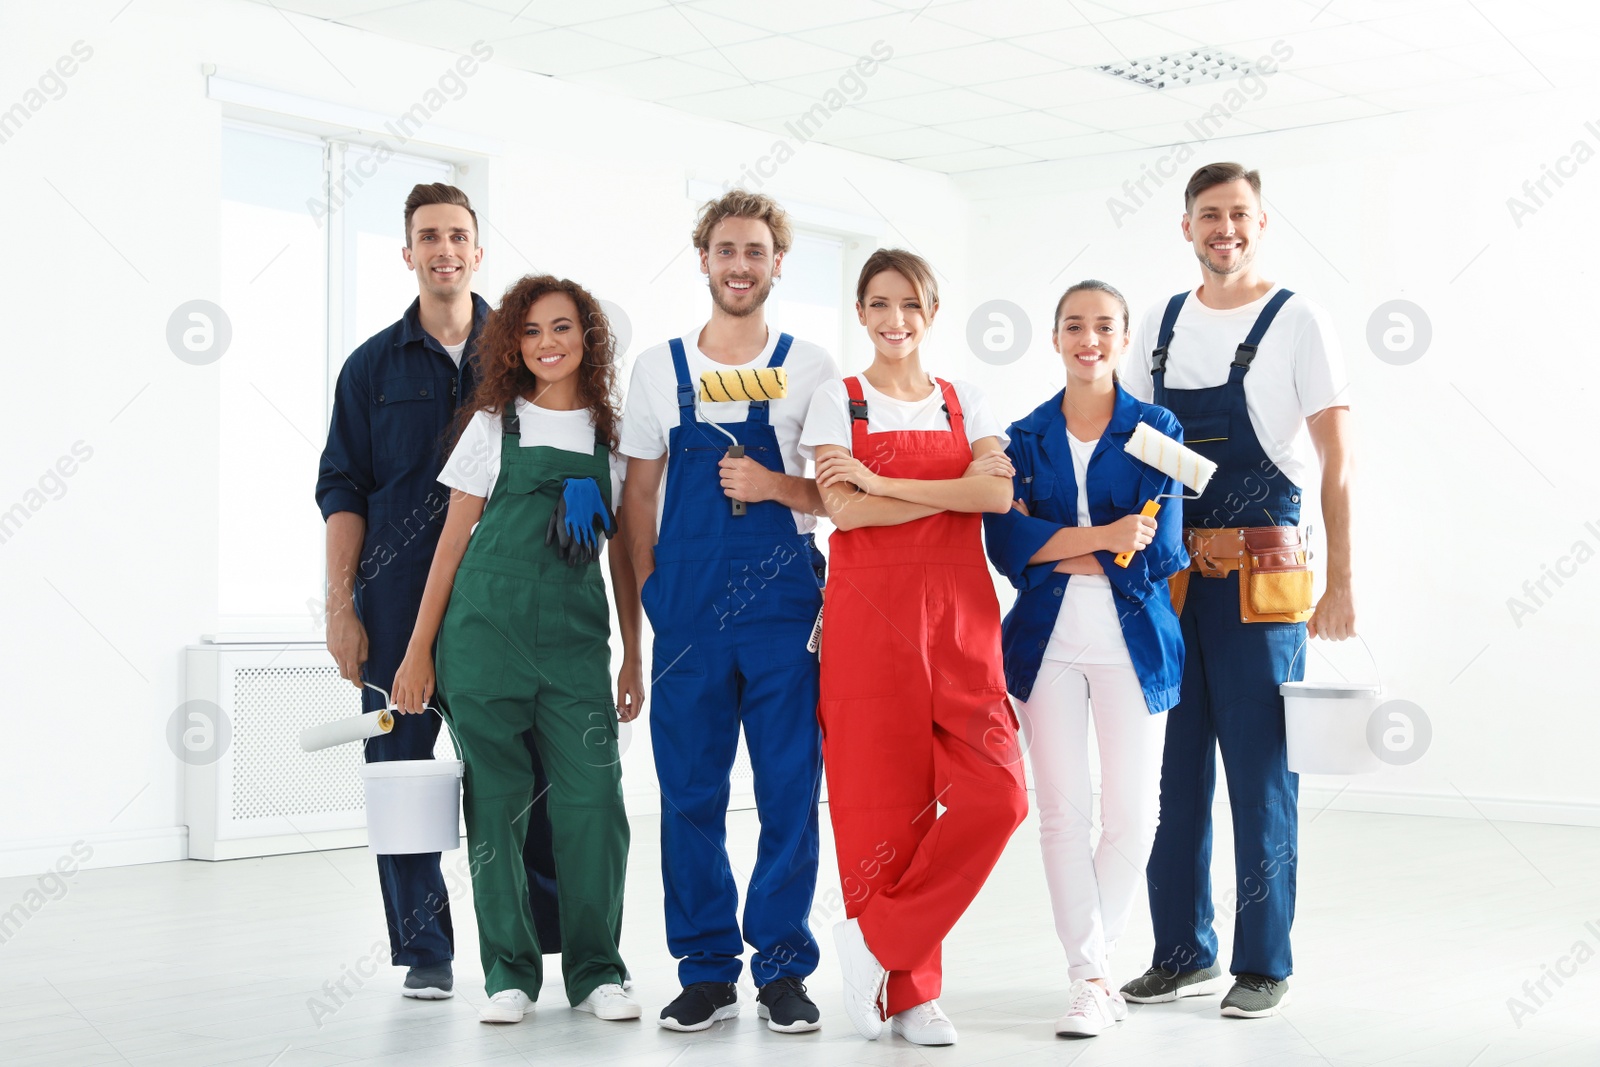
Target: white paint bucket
(413,805)
(1326,724)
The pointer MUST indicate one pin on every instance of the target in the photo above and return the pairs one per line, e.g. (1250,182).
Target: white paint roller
(342,731)
(1155,449)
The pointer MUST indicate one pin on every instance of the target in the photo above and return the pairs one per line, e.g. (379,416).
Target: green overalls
(525,644)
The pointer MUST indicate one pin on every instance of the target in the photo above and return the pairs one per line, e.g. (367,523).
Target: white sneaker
(506,1006)
(1092,1010)
(608,1002)
(865,980)
(925,1024)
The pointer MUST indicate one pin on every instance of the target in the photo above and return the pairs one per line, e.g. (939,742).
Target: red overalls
(914,712)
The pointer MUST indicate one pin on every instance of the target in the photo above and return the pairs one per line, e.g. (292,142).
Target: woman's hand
(1131,533)
(992,464)
(1018,505)
(838,468)
(630,690)
(413,683)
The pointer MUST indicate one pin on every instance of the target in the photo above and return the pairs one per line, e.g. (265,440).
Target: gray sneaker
(432,981)
(1161,986)
(1255,996)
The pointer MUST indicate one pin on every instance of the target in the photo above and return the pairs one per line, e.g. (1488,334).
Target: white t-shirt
(828,421)
(474,464)
(651,409)
(455,351)
(1087,629)
(1298,370)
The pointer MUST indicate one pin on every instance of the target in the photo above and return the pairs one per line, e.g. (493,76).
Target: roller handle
(737,452)
(1148,511)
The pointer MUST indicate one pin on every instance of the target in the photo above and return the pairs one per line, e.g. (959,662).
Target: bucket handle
(390,706)
(1303,644)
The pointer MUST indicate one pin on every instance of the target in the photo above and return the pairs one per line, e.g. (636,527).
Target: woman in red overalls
(914,710)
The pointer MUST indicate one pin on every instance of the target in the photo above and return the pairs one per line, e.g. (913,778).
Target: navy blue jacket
(1118,485)
(396,396)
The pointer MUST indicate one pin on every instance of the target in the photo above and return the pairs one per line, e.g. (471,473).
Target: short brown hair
(438,193)
(740,204)
(1214,174)
(910,266)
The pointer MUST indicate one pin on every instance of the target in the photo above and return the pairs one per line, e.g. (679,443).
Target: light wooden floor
(1411,936)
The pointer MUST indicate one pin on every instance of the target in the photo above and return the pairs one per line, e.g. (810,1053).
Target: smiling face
(1225,226)
(443,249)
(1091,334)
(740,265)
(552,342)
(893,314)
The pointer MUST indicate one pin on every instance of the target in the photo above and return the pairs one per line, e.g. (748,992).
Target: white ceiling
(976,84)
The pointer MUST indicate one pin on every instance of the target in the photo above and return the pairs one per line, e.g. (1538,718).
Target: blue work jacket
(1118,485)
(396,396)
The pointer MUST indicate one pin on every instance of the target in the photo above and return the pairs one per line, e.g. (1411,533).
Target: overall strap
(1245,354)
(952,408)
(858,418)
(1158,355)
(758,408)
(510,422)
(686,388)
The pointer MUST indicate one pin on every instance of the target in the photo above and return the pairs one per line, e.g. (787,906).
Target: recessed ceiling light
(1173,69)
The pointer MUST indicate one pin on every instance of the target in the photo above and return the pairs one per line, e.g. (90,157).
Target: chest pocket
(1038,493)
(410,413)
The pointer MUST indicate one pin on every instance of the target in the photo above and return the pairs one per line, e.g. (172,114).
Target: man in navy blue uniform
(377,489)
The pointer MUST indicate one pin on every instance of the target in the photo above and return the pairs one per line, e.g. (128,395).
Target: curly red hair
(503,376)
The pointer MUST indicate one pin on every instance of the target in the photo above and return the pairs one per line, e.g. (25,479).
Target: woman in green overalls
(518,606)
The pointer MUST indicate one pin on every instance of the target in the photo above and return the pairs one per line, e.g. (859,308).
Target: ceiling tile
(1337,109)
(1441,94)
(660,77)
(1062,88)
(905,35)
(974,64)
(1017,127)
(884,83)
(1014,18)
(743,103)
(944,105)
(1143,110)
(336,10)
(1193,131)
(1137,38)
(570,12)
(1215,23)
(561,52)
(1273,90)
(1069,148)
(773,58)
(672,31)
(1323,46)
(904,144)
(452,24)
(791,18)
(976,159)
(1367,75)
(836,126)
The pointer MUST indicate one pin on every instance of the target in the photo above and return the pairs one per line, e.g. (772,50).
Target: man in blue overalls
(1247,367)
(732,587)
(377,489)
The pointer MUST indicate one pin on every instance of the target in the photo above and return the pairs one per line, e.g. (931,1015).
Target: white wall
(114,195)
(1474,462)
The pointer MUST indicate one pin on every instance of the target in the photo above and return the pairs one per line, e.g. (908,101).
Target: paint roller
(355,728)
(1155,449)
(735,384)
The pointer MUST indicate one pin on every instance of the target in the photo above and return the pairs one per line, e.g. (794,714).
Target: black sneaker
(1161,986)
(700,1005)
(785,1006)
(1255,996)
(433,981)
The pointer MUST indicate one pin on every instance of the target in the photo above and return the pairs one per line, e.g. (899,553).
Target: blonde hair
(740,204)
(910,266)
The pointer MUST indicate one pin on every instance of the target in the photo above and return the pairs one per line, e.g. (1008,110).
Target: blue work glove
(580,522)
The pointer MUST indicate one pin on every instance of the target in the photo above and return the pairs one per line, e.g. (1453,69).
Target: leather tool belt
(1274,578)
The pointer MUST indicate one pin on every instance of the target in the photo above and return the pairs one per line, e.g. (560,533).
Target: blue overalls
(1228,698)
(394,401)
(732,601)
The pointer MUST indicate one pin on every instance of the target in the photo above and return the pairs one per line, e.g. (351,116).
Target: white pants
(1092,890)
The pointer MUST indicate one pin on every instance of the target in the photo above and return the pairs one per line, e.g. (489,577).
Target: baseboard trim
(111,848)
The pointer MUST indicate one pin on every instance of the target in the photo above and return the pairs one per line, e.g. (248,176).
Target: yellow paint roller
(735,384)
(1155,449)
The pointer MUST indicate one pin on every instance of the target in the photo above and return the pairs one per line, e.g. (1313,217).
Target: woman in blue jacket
(1089,637)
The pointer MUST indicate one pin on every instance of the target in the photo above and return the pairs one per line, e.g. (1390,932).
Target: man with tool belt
(1252,371)
(384,508)
(732,588)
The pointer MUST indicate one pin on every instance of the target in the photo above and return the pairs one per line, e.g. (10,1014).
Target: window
(806,302)
(308,270)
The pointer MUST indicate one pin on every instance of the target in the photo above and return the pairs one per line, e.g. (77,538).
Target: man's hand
(347,641)
(1335,616)
(630,690)
(745,479)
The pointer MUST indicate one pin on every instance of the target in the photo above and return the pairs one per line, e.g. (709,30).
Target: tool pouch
(1274,579)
